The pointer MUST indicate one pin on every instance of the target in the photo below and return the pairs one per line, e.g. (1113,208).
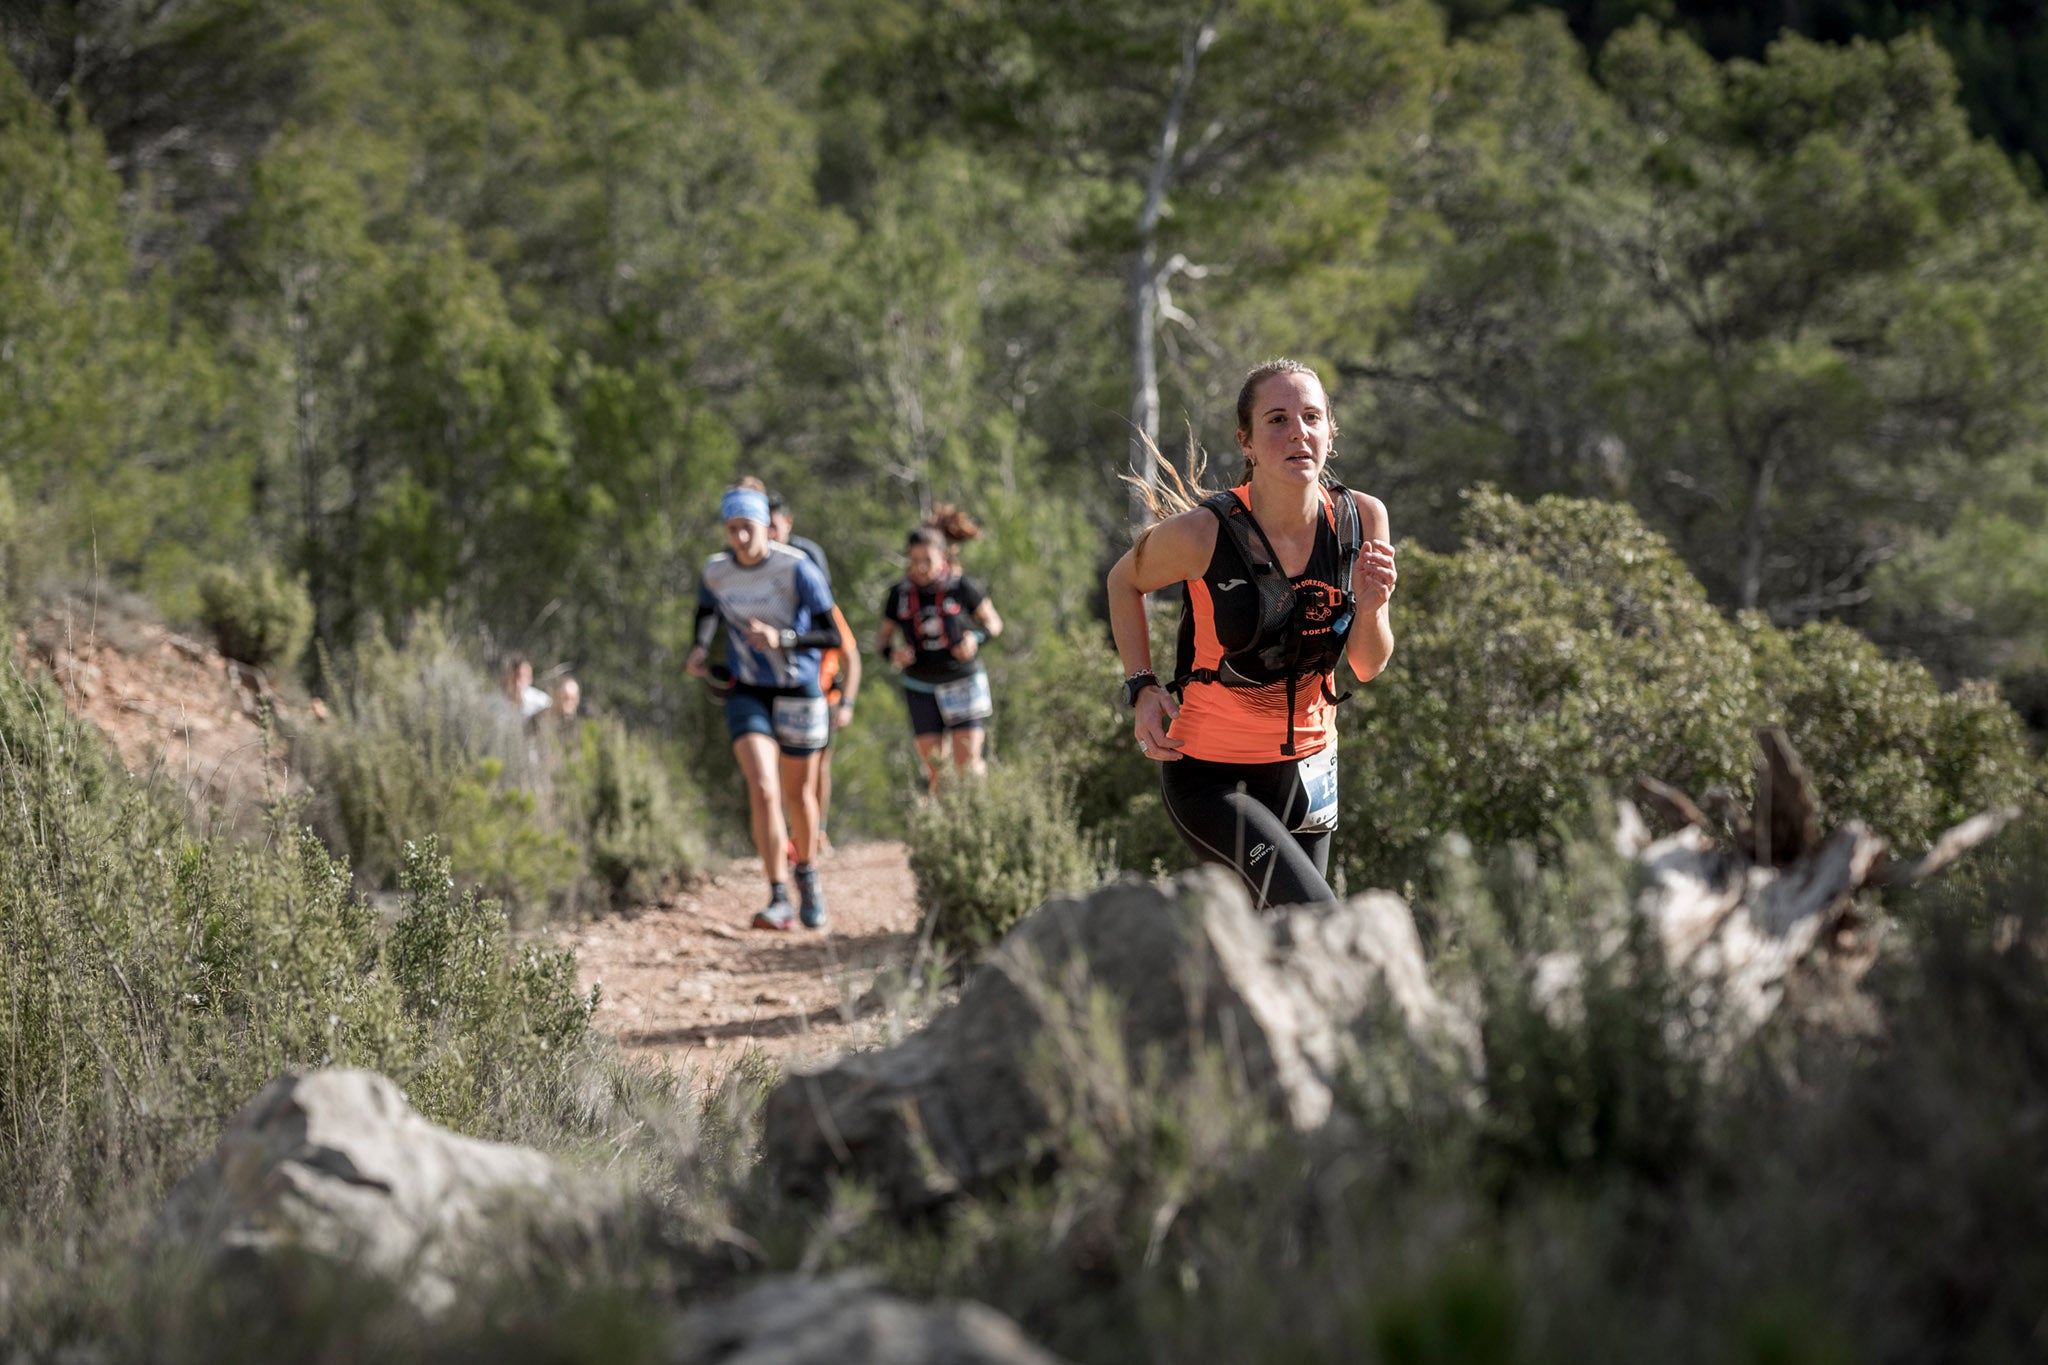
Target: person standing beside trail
(528,700)
(1285,575)
(944,618)
(777,610)
(838,666)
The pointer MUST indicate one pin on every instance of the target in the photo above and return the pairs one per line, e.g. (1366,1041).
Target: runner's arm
(985,616)
(1172,551)
(702,631)
(849,654)
(886,638)
(1372,579)
(813,594)
(705,628)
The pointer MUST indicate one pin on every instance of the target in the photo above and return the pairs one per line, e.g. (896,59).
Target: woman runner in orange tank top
(1247,753)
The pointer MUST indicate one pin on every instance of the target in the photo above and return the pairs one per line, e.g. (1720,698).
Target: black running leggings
(1240,815)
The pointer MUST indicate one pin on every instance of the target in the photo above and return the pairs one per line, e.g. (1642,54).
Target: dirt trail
(687,982)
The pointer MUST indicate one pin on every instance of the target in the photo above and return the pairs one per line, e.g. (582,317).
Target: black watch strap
(1137,683)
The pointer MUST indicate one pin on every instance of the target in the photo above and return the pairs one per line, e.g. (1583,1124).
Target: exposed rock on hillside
(167,702)
(844,1320)
(1187,965)
(1768,918)
(337,1164)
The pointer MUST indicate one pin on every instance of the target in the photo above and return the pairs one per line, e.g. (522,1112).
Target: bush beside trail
(153,980)
(1598,1190)
(423,744)
(1565,649)
(988,851)
(257,617)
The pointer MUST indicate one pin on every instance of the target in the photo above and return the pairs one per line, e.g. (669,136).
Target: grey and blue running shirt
(786,591)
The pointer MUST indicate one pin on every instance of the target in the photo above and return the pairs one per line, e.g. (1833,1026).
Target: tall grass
(152,981)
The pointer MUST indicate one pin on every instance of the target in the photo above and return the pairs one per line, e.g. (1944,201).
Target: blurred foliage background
(463,313)
(1697,349)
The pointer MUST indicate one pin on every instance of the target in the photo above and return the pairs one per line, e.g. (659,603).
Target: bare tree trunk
(1145,268)
(1755,526)
(306,447)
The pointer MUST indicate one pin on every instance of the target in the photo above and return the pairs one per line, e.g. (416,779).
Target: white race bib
(801,722)
(965,699)
(1318,774)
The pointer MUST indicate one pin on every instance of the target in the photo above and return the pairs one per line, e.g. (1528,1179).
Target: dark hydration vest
(1277,650)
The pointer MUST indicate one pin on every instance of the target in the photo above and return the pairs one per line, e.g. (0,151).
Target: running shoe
(780,914)
(810,897)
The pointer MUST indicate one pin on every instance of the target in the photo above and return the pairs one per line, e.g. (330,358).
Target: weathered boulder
(1186,964)
(337,1164)
(845,1320)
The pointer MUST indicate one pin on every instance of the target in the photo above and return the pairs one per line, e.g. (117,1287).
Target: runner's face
(927,565)
(779,524)
(748,538)
(1290,432)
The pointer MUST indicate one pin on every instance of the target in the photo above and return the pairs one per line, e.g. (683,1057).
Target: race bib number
(801,722)
(965,699)
(1318,774)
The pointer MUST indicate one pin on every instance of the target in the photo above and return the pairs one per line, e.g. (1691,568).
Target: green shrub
(1604,1080)
(1564,650)
(1882,740)
(422,745)
(987,852)
(152,982)
(260,617)
(482,1015)
(635,826)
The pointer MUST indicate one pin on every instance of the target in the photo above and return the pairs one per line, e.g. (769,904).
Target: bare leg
(967,751)
(928,751)
(824,787)
(757,758)
(800,796)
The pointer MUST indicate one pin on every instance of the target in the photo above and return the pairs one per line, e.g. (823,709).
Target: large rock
(845,1320)
(1186,965)
(336,1163)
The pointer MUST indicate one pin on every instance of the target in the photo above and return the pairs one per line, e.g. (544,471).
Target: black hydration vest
(1277,650)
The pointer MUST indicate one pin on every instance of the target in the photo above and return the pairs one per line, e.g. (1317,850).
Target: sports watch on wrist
(1137,683)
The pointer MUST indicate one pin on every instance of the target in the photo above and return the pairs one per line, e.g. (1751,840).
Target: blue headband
(744,502)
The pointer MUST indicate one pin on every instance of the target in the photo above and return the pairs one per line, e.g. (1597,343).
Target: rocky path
(687,982)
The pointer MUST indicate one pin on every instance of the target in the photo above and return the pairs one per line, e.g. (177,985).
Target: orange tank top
(1219,723)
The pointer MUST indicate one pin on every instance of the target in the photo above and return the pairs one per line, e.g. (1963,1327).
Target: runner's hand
(903,656)
(968,647)
(694,665)
(842,715)
(1156,707)
(761,635)
(1373,576)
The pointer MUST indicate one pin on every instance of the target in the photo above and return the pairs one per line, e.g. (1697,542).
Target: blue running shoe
(780,914)
(809,896)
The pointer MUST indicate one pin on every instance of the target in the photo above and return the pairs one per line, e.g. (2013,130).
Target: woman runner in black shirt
(944,619)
